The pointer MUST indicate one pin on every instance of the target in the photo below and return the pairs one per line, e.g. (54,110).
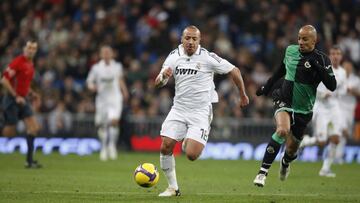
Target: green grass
(85,179)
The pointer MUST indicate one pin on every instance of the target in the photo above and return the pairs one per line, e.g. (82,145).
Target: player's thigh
(9,130)
(114,113)
(32,126)
(100,114)
(321,124)
(300,124)
(283,122)
(174,125)
(199,128)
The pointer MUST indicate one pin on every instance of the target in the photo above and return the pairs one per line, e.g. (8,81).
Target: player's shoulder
(292,47)
(117,64)
(17,61)
(95,66)
(321,56)
(174,52)
(320,53)
(19,58)
(212,56)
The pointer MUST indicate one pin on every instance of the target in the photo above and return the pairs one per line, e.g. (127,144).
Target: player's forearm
(279,73)
(6,83)
(123,88)
(160,80)
(91,86)
(238,80)
(328,80)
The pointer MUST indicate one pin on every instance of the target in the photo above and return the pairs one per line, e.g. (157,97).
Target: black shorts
(14,112)
(298,121)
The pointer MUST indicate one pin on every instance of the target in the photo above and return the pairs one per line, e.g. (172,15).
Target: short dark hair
(336,47)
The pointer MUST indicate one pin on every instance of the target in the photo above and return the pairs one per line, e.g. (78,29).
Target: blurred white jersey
(348,101)
(194,85)
(329,103)
(106,78)
(327,113)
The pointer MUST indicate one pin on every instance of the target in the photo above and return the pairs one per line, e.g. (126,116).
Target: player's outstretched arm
(238,80)
(163,77)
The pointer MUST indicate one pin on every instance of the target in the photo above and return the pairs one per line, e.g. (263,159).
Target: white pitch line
(278,194)
(201,193)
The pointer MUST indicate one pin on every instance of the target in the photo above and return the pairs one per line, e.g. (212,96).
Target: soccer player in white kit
(106,80)
(189,119)
(328,121)
(347,106)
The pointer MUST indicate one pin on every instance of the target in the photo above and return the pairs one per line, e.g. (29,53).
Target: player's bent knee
(334,139)
(192,156)
(34,130)
(282,131)
(9,131)
(167,146)
(322,143)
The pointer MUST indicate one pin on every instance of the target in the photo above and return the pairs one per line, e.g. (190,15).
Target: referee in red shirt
(17,79)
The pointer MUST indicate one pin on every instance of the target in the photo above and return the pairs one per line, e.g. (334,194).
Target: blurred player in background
(347,105)
(106,80)
(328,114)
(17,78)
(189,119)
(304,67)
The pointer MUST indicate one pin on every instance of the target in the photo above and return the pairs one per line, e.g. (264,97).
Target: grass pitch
(73,178)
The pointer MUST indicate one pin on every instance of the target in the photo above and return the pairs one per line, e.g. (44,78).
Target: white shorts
(348,121)
(106,112)
(326,125)
(181,124)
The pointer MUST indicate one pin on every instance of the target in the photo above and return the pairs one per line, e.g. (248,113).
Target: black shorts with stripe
(298,121)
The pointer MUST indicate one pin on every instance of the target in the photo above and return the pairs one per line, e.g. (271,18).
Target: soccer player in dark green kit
(304,67)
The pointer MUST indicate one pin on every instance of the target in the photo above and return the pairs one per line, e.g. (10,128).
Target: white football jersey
(194,75)
(348,101)
(331,103)
(106,79)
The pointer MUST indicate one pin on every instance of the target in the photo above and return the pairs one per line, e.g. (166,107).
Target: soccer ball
(146,175)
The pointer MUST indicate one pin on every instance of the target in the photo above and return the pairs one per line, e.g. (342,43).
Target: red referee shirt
(20,73)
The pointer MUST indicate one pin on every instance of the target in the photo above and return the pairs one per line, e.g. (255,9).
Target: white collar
(182,51)
(102,62)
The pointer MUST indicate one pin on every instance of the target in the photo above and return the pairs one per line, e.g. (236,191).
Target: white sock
(309,141)
(330,155)
(167,164)
(340,149)
(113,135)
(103,137)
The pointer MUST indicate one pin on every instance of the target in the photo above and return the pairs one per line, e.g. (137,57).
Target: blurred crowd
(252,34)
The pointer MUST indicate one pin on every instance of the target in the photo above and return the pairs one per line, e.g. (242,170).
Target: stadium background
(250,34)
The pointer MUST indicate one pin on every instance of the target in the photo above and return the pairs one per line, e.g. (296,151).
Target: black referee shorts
(14,112)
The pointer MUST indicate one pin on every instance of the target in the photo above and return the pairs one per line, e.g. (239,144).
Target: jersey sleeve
(324,68)
(219,65)
(11,70)
(327,66)
(170,61)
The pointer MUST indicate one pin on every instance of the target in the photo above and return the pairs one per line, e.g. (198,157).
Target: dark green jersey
(303,73)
